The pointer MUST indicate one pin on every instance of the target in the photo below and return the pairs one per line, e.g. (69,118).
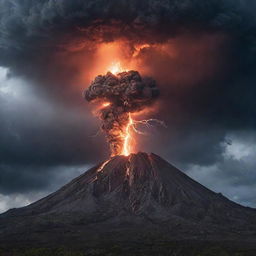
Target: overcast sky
(202,55)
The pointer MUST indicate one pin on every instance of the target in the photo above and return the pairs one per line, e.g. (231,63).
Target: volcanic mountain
(134,198)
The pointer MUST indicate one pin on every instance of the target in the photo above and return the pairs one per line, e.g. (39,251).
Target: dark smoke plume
(205,72)
(126,93)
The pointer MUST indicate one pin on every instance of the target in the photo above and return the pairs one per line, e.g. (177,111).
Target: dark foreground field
(178,248)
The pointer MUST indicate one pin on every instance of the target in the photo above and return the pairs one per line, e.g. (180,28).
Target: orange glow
(105,104)
(117,57)
(110,57)
(138,48)
(127,148)
(116,68)
(103,165)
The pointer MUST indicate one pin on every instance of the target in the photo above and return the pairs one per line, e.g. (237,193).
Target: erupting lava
(127,138)
(116,68)
(121,93)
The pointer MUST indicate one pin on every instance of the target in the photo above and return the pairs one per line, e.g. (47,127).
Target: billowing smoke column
(125,93)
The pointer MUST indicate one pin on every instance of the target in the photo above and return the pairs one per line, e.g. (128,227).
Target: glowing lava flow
(103,165)
(127,138)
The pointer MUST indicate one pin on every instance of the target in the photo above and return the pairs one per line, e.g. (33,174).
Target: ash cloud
(126,93)
(206,72)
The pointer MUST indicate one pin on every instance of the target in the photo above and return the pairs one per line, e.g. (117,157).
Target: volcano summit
(129,199)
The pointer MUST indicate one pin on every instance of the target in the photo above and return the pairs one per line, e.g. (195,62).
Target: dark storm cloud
(37,143)
(211,93)
(32,32)
(234,175)
(15,178)
(30,27)
(35,130)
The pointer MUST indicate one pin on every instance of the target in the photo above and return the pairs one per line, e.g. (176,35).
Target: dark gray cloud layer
(37,138)
(209,94)
(30,27)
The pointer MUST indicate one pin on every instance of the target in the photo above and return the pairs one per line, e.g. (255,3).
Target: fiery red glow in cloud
(183,62)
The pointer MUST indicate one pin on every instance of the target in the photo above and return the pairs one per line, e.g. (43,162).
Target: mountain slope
(130,198)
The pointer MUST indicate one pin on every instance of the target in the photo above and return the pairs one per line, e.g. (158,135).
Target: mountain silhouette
(136,198)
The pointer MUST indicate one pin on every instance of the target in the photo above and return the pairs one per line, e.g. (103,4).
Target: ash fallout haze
(172,77)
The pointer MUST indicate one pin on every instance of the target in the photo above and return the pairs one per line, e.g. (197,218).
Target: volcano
(136,198)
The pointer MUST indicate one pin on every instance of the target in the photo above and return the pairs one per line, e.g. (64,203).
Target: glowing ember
(105,104)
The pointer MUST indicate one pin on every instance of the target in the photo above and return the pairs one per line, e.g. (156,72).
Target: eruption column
(120,95)
(127,137)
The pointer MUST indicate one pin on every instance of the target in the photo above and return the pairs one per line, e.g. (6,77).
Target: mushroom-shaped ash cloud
(126,92)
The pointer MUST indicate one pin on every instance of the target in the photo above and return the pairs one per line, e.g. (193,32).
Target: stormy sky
(202,55)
